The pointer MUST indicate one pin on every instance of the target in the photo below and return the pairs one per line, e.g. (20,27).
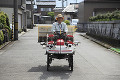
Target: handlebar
(58,32)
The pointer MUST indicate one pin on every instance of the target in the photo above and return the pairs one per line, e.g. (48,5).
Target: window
(42,9)
(50,9)
(46,9)
(45,0)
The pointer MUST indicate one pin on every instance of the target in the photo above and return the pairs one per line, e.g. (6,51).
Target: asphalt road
(25,60)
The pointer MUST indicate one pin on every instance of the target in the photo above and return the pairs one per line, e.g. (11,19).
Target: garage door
(19,21)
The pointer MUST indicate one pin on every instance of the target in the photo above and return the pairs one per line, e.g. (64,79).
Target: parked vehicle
(74,22)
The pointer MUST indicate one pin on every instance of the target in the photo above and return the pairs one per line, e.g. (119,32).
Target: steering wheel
(58,32)
(60,36)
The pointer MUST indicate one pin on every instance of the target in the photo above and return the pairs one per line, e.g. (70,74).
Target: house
(57,10)
(71,12)
(30,13)
(43,7)
(7,6)
(89,8)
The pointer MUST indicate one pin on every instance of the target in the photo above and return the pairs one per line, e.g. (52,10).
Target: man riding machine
(60,45)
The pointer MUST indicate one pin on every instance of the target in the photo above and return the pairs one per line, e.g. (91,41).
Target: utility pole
(66,3)
(62,4)
(63,7)
(15,20)
(31,14)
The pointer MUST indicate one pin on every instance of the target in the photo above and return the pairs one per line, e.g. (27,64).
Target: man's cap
(59,15)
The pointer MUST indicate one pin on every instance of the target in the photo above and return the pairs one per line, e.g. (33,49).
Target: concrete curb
(4,45)
(98,42)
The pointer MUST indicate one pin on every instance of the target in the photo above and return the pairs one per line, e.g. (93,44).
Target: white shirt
(56,27)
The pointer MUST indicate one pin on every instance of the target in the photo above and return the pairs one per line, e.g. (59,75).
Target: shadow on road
(61,72)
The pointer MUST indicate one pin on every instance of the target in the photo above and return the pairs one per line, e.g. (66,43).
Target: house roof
(70,8)
(46,3)
(29,2)
(37,14)
(43,3)
(58,9)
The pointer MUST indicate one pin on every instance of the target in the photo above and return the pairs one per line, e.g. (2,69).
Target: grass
(116,50)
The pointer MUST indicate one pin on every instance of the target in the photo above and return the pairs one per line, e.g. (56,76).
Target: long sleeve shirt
(56,27)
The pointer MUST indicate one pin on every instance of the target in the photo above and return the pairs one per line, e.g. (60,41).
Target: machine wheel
(71,62)
(48,62)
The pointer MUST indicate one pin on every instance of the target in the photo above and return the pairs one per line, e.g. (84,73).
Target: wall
(6,3)
(66,16)
(82,27)
(89,8)
(9,3)
(108,29)
(86,9)
(81,12)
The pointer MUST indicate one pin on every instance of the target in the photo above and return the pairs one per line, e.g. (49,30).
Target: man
(59,26)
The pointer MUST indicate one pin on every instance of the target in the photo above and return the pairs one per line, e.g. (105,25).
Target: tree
(52,14)
(67,22)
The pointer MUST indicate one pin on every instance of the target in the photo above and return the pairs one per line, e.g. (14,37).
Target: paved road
(25,60)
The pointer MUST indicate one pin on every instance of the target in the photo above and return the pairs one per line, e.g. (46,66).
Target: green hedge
(9,31)
(106,17)
(52,14)
(1,26)
(7,21)
(4,24)
(67,22)
(1,36)
(2,18)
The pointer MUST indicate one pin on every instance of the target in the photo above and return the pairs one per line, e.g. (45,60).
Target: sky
(59,3)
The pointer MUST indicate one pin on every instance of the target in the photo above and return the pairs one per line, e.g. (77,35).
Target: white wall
(67,16)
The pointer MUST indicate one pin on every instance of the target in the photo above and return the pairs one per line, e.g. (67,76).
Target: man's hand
(55,33)
(64,32)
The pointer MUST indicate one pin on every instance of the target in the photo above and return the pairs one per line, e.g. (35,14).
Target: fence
(108,29)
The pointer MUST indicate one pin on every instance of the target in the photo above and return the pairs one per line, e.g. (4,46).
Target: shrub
(9,31)
(1,36)
(6,27)
(67,22)
(7,20)
(2,18)
(1,26)
(106,17)
(20,30)
(51,14)
(4,23)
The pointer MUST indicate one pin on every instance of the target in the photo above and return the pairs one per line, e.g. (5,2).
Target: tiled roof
(70,8)
(58,9)
(45,3)
(28,2)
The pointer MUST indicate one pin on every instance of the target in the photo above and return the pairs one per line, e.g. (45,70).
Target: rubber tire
(71,63)
(48,62)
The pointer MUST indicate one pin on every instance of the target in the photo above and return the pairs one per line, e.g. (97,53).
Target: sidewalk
(6,43)
(100,43)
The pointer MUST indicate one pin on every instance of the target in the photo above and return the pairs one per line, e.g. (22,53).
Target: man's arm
(66,28)
(53,28)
